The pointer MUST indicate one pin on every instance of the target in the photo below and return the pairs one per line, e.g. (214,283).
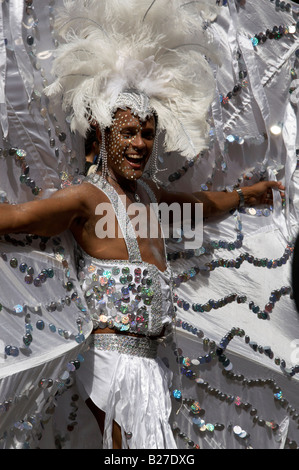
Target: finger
(274,185)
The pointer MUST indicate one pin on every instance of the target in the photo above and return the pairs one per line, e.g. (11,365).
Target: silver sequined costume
(122,374)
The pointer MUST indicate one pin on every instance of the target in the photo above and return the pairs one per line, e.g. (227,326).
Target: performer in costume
(268,386)
(125,95)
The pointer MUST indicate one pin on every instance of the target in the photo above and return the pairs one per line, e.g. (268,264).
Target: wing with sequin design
(44,322)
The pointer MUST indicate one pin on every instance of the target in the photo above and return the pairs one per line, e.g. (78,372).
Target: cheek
(116,147)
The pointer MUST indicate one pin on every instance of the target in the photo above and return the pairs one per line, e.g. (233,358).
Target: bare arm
(217,203)
(45,217)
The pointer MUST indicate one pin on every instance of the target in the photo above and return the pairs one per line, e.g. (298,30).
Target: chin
(133,175)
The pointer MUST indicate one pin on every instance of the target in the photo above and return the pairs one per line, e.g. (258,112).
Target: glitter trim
(122,216)
(141,347)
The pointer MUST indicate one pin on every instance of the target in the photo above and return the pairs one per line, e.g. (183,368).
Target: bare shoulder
(170,197)
(84,193)
(157,190)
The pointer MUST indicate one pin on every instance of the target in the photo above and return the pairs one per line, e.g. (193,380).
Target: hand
(261,193)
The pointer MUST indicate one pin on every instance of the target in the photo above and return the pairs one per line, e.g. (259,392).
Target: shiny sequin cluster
(190,371)
(121,297)
(267,350)
(239,86)
(233,263)
(224,99)
(183,170)
(35,421)
(14,351)
(283,6)
(30,278)
(275,296)
(206,249)
(20,159)
(277,32)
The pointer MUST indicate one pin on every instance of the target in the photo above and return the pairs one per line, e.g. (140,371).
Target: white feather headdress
(157,49)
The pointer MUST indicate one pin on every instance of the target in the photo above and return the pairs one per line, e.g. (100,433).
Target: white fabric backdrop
(31,125)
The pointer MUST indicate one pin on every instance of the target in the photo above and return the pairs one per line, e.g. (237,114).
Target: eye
(148,135)
(128,134)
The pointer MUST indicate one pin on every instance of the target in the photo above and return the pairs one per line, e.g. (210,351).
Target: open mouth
(135,161)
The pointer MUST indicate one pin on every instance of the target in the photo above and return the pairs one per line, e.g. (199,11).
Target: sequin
(23,267)
(52,328)
(266,212)
(107,274)
(278,395)
(80,338)
(12,351)
(238,401)
(195,407)
(103,281)
(276,129)
(252,211)
(18,308)
(91,268)
(198,422)
(13,262)
(43,383)
(30,40)
(177,394)
(50,273)
(187,361)
(21,153)
(40,324)
(27,339)
(123,279)
(237,430)
(210,427)
(30,270)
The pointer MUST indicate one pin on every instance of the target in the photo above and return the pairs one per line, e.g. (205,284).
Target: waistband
(142,347)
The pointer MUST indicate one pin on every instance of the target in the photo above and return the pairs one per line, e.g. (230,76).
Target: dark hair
(90,138)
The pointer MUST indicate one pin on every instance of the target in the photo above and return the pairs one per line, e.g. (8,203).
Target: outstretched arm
(217,203)
(45,217)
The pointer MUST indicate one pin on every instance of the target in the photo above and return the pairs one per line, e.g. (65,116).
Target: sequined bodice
(126,295)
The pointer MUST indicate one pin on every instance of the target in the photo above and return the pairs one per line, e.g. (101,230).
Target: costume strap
(121,215)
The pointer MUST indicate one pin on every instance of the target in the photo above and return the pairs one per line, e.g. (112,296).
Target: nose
(138,141)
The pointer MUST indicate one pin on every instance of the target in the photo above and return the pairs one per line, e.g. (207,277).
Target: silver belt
(142,347)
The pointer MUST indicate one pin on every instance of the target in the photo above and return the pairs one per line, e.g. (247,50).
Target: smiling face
(129,145)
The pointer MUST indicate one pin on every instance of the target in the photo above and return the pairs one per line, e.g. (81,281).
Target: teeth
(134,157)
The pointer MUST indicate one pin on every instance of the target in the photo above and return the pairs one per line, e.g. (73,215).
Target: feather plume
(158,47)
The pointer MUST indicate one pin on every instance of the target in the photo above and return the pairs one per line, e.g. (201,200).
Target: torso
(110,256)
(151,248)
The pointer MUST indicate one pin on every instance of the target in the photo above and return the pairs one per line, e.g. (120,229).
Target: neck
(125,184)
